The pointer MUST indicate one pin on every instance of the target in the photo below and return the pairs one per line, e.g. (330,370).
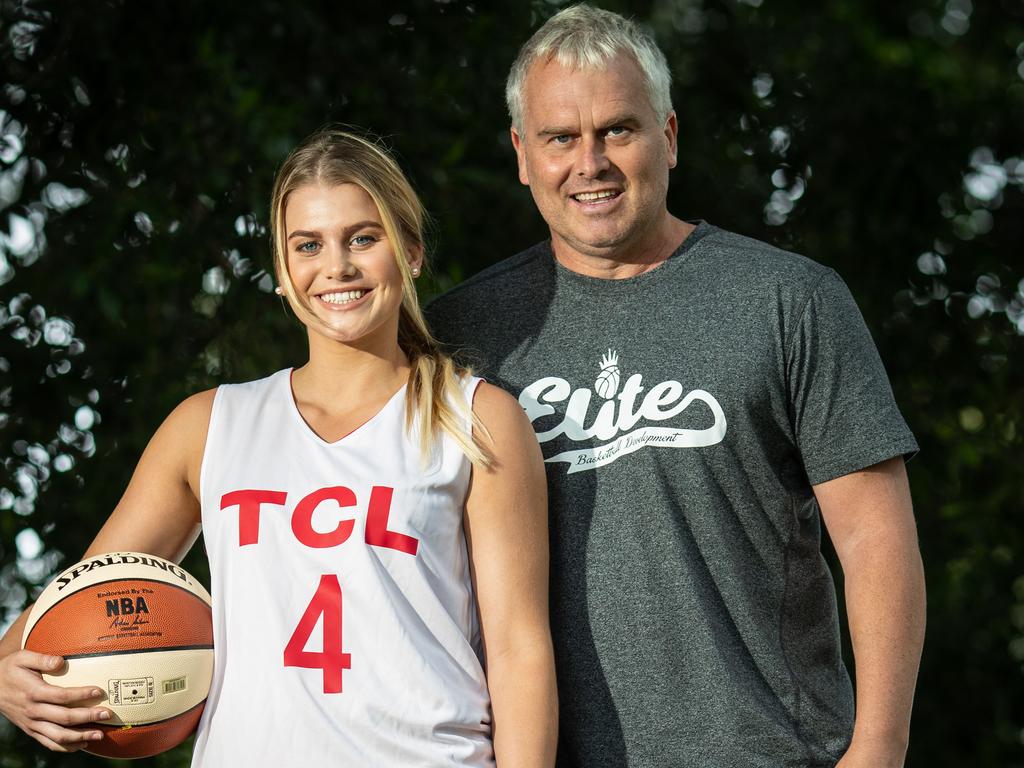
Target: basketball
(607,382)
(139,628)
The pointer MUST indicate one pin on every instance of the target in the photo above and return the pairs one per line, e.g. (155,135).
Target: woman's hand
(48,713)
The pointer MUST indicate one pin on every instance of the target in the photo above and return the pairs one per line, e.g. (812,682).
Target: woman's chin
(353,335)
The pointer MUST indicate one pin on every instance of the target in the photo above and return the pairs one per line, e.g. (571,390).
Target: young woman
(375,520)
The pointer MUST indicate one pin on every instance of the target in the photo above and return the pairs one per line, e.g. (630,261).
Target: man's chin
(598,245)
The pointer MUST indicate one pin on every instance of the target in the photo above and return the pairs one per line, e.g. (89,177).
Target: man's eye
(562,139)
(618,130)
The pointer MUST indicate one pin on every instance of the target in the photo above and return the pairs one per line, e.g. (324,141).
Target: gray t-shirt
(684,415)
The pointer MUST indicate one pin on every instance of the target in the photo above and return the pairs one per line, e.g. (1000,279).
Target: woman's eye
(363,240)
(310,246)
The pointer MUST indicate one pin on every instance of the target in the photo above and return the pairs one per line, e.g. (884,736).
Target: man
(700,398)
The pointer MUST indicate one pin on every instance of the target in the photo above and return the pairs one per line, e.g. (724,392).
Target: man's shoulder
(483,288)
(495,308)
(763,261)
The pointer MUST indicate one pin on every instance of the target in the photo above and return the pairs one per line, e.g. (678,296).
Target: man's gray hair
(584,37)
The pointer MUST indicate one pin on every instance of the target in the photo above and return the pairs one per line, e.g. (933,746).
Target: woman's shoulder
(255,385)
(240,394)
(500,412)
(488,397)
(192,415)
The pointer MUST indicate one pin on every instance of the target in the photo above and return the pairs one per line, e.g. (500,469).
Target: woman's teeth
(342,297)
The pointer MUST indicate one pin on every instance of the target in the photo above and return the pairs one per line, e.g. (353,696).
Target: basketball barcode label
(175,685)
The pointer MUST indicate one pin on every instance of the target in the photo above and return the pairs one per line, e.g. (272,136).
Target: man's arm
(869,517)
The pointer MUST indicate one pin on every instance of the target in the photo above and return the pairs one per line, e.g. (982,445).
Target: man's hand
(877,756)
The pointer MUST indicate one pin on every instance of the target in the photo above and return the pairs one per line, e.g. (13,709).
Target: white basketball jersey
(345,629)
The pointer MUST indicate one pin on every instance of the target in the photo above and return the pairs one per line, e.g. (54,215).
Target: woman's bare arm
(506,525)
(158,514)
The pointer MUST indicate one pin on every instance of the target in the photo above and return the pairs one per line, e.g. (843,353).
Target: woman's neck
(340,375)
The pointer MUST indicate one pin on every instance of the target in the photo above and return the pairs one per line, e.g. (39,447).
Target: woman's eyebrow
(350,228)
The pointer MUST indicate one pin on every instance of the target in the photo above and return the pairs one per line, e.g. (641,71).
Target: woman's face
(341,261)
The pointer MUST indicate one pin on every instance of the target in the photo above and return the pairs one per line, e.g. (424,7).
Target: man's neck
(621,262)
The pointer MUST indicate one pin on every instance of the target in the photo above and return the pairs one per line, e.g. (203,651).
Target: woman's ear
(416,260)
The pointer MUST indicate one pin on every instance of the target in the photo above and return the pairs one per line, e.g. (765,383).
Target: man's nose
(592,160)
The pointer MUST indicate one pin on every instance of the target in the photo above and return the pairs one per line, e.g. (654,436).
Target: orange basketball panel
(122,615)
(146,740)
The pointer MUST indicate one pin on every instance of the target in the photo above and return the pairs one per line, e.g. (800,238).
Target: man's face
(595,155)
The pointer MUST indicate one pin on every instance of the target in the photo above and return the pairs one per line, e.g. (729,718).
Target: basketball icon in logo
(607,383)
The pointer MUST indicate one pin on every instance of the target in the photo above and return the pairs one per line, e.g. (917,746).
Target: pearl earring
(279,291)
(415,271)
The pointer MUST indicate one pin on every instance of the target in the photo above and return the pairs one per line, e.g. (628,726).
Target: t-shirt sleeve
(844,413)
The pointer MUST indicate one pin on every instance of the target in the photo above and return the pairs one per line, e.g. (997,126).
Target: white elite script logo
(620,413)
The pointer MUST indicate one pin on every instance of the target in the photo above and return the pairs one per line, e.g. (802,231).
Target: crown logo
(607,383)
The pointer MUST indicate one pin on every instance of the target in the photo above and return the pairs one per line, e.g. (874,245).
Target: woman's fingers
(53,725)
(68,716)
(57,717)
(60,739)
(55,694)
(40,662)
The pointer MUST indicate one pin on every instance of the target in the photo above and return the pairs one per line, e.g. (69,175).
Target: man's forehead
(554,91)
(619,67)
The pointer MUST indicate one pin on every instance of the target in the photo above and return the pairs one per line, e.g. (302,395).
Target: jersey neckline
(293,407)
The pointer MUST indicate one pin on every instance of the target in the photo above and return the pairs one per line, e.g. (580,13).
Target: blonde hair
(333,156)
(584,37)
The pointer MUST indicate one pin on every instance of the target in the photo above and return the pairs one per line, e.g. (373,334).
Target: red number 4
(332,660)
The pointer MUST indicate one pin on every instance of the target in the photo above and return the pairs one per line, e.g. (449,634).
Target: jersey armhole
(214,411)
(471,389)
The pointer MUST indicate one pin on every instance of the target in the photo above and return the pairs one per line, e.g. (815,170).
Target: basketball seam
(206,646)
(116,727)
(100,583)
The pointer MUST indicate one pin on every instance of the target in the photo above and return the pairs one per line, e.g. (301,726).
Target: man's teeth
(342,297)
(586,197)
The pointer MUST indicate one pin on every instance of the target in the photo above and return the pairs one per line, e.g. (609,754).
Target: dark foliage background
(886,139)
